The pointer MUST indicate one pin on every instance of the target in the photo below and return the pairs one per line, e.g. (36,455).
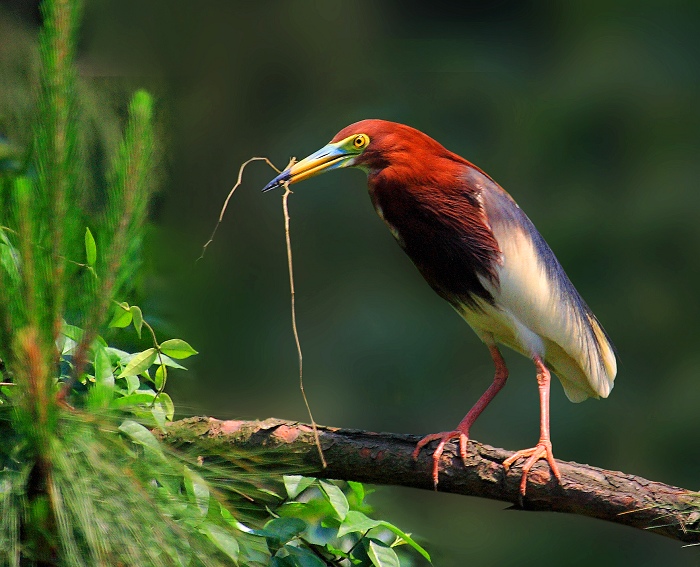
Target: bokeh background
(587,113)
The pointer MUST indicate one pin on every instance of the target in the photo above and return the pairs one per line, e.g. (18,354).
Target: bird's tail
(604,365)
(590,372)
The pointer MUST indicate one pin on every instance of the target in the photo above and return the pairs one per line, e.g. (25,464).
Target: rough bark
(385,458)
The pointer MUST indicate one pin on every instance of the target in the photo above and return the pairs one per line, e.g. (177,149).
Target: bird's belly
(495,325)
(492,325)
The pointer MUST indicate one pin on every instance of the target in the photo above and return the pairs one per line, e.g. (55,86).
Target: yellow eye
(360,141)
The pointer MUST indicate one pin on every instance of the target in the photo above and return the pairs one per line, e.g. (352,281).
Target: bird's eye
(360,141)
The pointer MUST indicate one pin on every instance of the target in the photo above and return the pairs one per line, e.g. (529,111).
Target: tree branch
(385,458)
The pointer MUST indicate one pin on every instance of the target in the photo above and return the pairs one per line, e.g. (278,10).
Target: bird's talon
(506,465)
(543,450)
(463,439)
(444,438)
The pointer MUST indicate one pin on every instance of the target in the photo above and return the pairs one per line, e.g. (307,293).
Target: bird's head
(370,145)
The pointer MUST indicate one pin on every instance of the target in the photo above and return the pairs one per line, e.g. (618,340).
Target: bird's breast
(445,238)
(394,231)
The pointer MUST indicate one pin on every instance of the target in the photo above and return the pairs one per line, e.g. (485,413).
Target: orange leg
(543,449)
(462,430)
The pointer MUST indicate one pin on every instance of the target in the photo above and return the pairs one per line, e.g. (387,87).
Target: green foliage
(84,480)
(322,523)
(143,483)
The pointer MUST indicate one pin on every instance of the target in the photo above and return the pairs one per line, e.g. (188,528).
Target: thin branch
(385,458)
(285,208)
(228,198)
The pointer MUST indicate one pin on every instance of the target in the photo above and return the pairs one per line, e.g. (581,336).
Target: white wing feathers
(540,310)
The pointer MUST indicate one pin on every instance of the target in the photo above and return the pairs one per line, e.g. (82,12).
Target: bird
(480,252)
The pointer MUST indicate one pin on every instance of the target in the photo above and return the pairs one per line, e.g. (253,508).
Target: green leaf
(90,248)
(158,414)
(356,522)
(231,521)
(10,258)
(170,362)
(132,384)
(382,556)
(284,529)
(66,346)
(404,536)
(168,405)
(140,362)
(296,484)
(72,332)
(296,509)
(304,557)
(71,336)
(118,356)
(122,316)
(358,490)
(198,490)
(336,498)
(139,434)
(285,561)
(137,318)
(177,348)
(135,399)
(222,539)
(103,367)
(102,393)
(161,377)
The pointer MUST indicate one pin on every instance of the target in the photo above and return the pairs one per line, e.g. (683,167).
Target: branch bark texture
(385,458)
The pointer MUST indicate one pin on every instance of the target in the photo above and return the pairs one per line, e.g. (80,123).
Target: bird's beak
(328,157)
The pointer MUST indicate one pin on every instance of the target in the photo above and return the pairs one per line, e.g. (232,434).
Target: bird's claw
(543,450)
(444,438)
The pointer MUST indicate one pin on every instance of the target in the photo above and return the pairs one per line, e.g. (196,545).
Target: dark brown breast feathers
(440,224)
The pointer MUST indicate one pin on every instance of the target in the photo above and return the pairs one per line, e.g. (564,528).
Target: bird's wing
(534,289)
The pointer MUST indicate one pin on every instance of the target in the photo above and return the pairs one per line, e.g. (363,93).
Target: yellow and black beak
(331,156)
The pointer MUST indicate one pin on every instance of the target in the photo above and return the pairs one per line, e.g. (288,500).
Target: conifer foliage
(82,479)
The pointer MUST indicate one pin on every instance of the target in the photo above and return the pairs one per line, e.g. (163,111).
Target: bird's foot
(543,450)
(443,437)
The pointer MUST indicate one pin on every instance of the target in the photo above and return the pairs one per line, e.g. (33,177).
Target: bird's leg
(462,430)
(543,449)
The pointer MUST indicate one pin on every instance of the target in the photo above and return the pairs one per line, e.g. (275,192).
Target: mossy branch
(385,458)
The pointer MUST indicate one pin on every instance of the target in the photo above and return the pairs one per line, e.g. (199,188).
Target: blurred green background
(587,113)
